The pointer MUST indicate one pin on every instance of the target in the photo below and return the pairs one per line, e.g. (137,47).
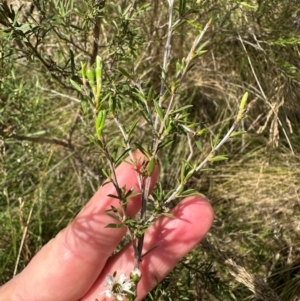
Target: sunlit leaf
(218,158)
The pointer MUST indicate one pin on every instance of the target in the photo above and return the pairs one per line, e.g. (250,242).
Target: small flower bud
(135,276)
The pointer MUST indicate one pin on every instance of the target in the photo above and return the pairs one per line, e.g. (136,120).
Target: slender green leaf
(132,127)
(218,158)
(158,110)
(125,73)
(165,143)
(122,156)
(181,109)
(115,226)
(188,192)
(151,166)
(114,196)
(100,122)
(170,215)
(199,145)
(75,85)
(238,133)
(142,149)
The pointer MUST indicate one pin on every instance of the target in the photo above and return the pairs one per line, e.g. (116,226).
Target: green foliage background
(50,168)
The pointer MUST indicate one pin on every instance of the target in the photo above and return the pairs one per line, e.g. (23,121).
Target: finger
(68,265)
(168,239)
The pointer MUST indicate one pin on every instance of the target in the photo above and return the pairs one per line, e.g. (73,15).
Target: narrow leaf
(199,146)
(218,158)
(165,144)
(238,133)
(132,127)
(106,173)
(113,196)
(158,110)
(100,122)
(75,85)
(122,156)
(115,226)
(142,149)
(181,109)
(111,215)
(125,73)
(151,166)
(170,215)
(189,192)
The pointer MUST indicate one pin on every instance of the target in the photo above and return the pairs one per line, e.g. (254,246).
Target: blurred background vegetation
(49,168)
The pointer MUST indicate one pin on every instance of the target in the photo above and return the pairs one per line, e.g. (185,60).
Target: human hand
(74,265)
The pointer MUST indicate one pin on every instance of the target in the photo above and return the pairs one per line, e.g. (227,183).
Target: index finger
(66,267)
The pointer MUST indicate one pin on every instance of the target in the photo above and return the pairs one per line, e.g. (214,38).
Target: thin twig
(144,196)
(98,5)
(60,142)
(60,94)
(128,146)
(119,194)
(179,76)
(198,167)
(63,38)
(167,54)
(22,39)
(73,126)
(191,54)
(41,140)
(207,158)
(139,87)
(190,147)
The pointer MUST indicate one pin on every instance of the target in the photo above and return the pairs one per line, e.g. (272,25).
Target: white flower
(118,288)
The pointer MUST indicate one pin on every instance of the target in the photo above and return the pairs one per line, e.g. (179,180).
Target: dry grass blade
(256,285)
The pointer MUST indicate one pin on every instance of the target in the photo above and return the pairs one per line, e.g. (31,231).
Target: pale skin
(74,264)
